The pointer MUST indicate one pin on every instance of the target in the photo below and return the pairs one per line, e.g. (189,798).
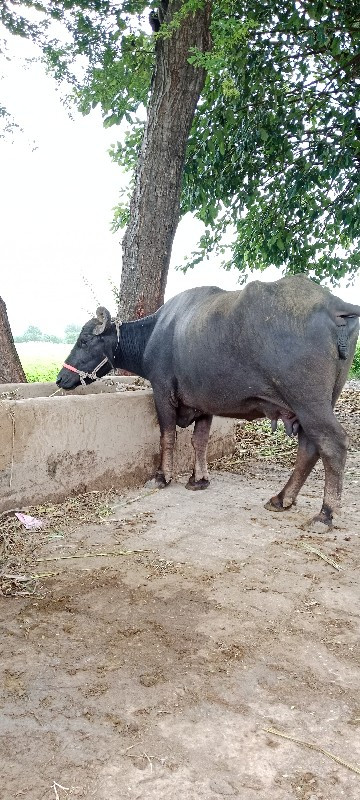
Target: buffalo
(280,350)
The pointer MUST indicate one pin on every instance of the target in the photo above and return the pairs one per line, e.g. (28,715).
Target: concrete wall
(51,447)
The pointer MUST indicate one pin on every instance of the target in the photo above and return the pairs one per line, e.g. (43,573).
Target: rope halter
(82,375)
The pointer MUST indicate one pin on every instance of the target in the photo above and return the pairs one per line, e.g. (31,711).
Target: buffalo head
(92,355)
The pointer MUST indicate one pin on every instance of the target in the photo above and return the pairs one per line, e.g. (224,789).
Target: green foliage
(71,333)
(7,123)
(115,290)
(108,58)
(274,151)
(355,369)
(49,337)
(41,373)
(34,334)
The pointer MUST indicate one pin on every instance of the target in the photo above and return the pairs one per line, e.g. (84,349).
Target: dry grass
(17,545)
(88,508)
(348,412)
(313,746)
(255,441)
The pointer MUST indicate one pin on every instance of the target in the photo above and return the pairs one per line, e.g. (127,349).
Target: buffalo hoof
(321,523)
(276,503)
(194,485)
(160,481)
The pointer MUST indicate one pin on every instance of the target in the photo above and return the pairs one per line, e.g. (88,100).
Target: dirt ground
(154,672)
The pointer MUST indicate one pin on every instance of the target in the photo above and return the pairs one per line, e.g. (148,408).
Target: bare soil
(154,672)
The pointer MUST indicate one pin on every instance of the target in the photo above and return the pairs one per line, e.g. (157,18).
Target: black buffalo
(279,350)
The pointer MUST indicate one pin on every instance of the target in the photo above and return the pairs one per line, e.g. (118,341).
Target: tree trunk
(155,203)
(11,370)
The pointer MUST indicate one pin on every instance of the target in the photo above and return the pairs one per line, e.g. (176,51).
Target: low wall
(115,383)
(51,447)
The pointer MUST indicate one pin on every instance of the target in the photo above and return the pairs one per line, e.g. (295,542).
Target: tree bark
(155,203)
(11,370)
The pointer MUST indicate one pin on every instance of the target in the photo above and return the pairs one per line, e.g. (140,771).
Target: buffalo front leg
(199,441)
(165,471)
(307,456)
(167,420)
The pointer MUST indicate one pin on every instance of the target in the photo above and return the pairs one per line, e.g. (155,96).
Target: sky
(58,186)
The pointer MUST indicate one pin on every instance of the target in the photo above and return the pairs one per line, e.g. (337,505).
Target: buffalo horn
(104,320)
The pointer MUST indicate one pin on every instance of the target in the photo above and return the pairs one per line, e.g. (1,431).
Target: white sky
(56,208)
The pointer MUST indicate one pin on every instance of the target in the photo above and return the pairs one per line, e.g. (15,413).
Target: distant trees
(34,334)
(71,333)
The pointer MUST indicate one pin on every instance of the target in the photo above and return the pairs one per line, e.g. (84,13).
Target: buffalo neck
(134,337)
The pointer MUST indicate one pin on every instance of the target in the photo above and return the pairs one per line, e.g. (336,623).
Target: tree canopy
(274,149)
(275,144)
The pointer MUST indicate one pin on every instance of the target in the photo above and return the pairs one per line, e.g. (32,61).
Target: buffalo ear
(104,320)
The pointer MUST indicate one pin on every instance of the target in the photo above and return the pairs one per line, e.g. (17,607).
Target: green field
(42,360)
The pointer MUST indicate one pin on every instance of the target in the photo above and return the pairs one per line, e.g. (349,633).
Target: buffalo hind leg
(199,441)
(332,443)
(307,456)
